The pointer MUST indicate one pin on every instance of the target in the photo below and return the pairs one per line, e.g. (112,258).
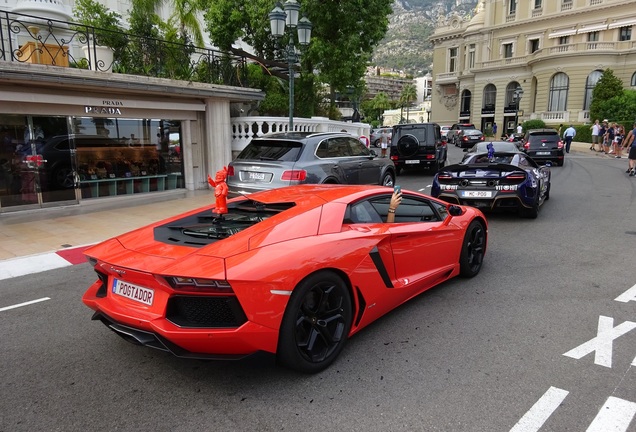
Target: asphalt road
(544,338)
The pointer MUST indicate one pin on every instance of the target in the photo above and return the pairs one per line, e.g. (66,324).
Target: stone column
(218,135)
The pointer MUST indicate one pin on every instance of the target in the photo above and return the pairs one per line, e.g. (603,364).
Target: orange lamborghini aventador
(294,271)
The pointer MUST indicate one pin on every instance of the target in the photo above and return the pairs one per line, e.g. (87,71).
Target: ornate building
(520,60)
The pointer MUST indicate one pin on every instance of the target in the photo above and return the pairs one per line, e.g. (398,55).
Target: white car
(445,130)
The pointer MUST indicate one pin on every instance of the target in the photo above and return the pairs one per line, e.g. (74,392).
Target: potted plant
(105,35)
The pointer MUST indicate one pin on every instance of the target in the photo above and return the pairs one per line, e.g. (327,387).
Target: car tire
(531,212)
(473,250)
(547,193)
(388,179)
(435,168)
(316,323)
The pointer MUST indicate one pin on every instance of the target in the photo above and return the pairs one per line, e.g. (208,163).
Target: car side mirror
(465,150)
(373,153)
(455,210)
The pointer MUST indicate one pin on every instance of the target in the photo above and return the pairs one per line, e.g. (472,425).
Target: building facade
(70,133)
(513,60)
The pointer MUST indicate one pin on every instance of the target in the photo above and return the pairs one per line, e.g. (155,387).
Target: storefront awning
(562,32)
(626,22)
(589,28)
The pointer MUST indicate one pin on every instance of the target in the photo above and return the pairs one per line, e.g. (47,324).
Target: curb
(42,262)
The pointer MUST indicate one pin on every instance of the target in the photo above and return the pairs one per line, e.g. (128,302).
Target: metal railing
(33,39)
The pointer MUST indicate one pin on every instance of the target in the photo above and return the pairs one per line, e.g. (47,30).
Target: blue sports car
(495,180)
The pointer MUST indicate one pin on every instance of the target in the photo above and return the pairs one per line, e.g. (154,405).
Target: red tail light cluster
(230,171)
(180,283)
(560,144)
(294,175)
(444,176)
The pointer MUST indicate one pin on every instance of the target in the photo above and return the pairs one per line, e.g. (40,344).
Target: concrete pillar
(218,131)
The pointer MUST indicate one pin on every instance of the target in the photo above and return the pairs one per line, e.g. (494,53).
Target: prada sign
(110,107)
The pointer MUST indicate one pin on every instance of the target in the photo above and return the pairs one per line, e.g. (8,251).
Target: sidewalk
(45,239)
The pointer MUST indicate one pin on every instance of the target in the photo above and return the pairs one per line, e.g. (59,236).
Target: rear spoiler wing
(489,166)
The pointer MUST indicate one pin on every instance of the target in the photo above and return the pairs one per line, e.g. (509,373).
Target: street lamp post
(282,19)
(517,96)
(428,115)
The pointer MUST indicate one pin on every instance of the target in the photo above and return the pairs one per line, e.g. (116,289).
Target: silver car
(378,134)
(285,159)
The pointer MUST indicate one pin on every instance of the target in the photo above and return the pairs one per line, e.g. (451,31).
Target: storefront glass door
(36,162)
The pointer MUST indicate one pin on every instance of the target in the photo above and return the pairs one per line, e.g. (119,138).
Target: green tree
(620,108)
(374,108)
(408,95)
(607,87)
(344,35)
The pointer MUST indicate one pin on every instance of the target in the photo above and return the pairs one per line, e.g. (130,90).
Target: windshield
(272,150)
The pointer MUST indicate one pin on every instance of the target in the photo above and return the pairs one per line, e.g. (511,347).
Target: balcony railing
(32,39)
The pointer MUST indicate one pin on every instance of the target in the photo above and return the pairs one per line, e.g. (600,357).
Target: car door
(343,165)
(423,246)
(368,166)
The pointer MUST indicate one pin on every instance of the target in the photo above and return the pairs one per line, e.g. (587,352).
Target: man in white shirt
(568,136)
(596,128)
(519,129)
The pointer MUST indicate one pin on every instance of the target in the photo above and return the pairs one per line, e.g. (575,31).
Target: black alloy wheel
(473,250)
(531,212)
(316,323)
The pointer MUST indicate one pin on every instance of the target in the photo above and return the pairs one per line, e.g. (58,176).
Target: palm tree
(408,95)
(184,16)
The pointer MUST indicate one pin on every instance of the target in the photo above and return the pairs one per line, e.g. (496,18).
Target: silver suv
(285,159)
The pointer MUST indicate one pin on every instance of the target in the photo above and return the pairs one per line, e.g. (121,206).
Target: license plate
(255,176)
(412,161)
(544,153)
(133,292)
(476,194)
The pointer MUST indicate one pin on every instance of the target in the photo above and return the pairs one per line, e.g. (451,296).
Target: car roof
(543,131)
(297,136)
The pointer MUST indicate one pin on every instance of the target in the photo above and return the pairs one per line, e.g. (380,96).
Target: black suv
(418,145)
(544,145)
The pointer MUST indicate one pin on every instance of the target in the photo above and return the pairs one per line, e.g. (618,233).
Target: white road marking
(24,304)
(540,411)
(31,264)
(629,295)
(601,345)
(615,416)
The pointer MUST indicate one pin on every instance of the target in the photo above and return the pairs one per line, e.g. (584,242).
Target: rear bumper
(158,332)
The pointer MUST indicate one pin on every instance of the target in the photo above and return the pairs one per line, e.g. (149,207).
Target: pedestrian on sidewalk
(569,135)
(609,138)
(601,136)
(619,136)
(596,128)
(630,142)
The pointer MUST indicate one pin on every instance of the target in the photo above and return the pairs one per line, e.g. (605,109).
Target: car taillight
(294,175)
(444,176)
(560,144)
(465,138)
(230,171)
(482,138)
(180,283)
(526,145)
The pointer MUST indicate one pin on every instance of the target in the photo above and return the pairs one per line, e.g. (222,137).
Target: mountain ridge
(406,47)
